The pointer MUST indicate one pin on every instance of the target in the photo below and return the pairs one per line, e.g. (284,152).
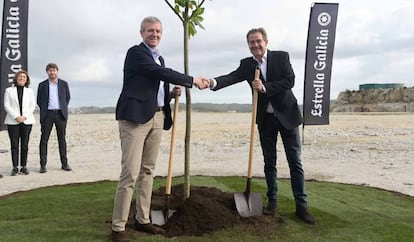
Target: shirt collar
(154,52)
(50,82)
(264,58)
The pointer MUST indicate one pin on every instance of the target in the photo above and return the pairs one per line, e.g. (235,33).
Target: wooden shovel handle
(253,123)
(172,146)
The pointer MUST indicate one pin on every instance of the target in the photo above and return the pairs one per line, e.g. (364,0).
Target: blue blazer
(43,98)
(280,80)
(138,99)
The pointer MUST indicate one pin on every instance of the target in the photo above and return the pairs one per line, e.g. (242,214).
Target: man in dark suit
(142,112)
(53,97)
(277,112)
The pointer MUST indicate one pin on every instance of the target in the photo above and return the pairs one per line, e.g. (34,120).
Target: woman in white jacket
(19,103)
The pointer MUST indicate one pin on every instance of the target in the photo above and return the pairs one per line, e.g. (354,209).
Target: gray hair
(150,19)
(258,30)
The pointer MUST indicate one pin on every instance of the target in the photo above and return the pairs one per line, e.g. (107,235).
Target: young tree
(189,12)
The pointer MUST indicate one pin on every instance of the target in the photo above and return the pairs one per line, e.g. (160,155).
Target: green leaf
(191,29)
(199,11)
(197,22)
(181,3)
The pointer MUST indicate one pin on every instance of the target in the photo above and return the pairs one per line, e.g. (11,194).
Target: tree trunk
(188,118)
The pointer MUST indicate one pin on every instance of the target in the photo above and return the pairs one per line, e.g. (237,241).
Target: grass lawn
(82,212)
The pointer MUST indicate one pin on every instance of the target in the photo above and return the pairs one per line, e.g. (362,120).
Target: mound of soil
(207,210)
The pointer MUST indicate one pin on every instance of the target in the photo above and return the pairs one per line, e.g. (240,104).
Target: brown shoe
(119,236)
(303,214)
(148,228)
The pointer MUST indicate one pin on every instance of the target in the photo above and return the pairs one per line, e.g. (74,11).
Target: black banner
(318,65)
(13,46)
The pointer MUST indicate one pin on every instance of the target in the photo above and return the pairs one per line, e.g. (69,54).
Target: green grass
(82,212)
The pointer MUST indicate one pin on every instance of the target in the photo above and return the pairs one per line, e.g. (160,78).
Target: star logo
(324,19)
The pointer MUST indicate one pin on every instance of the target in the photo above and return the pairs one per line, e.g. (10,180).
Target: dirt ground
(207,210)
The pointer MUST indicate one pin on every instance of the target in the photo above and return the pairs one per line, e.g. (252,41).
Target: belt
(158,109)
(53,110)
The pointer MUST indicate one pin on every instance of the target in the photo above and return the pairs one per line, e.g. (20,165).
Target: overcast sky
(88,40)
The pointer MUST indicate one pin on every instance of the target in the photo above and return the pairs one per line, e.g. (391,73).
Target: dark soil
(206,210)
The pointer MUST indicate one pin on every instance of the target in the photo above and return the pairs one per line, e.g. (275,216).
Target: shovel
(160,217)
(250,203)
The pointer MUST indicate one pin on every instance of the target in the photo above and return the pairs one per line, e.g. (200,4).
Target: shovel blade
(158,217)
(250,205)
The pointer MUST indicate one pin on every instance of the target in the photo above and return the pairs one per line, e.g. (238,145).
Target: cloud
(89,40)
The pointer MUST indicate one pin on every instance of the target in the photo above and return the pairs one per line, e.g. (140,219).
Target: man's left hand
(258,85)
(175,92)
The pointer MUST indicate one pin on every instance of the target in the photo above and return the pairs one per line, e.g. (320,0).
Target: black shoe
(1,176)
(66,168)
(14,171)
(270,209)
(43,169)
(303,214)
(24,170)
(148,228)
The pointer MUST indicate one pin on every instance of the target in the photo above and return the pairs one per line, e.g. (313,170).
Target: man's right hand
(201,82)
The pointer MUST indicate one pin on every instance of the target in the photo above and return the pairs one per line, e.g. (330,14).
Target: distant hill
(375,100)
(196,107)
(92,109)
(213,107)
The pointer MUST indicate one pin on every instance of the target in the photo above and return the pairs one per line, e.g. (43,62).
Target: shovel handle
(253,123)
(172,146)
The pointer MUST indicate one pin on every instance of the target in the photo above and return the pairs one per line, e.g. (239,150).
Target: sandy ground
(368,149)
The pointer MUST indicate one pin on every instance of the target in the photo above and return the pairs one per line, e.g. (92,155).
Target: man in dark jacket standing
(277,112)
(142,112)
(53,98)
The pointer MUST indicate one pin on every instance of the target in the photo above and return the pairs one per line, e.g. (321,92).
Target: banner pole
(303,134)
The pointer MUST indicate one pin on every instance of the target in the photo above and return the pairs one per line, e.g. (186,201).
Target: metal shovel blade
(158,217)
(249,205)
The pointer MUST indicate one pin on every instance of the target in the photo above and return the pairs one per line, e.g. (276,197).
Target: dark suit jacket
(138,99)
(43,98)
(280,80)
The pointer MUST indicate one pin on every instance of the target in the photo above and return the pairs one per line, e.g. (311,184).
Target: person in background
(19,103)
(53,98)
(143,111)
(277,112)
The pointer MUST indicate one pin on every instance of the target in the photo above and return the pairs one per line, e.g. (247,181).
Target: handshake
(202,83)
(199,82)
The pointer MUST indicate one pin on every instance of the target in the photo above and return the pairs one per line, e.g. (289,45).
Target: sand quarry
(355,148)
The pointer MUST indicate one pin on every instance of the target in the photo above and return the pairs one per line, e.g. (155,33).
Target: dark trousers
(19,133)
(53,117)
(268,132)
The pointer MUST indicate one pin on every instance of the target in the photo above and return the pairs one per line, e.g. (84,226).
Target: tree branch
(173,9)
(198,6)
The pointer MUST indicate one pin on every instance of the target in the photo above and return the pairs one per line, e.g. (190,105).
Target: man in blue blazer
(53,98)
(143,111)
(277,112)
